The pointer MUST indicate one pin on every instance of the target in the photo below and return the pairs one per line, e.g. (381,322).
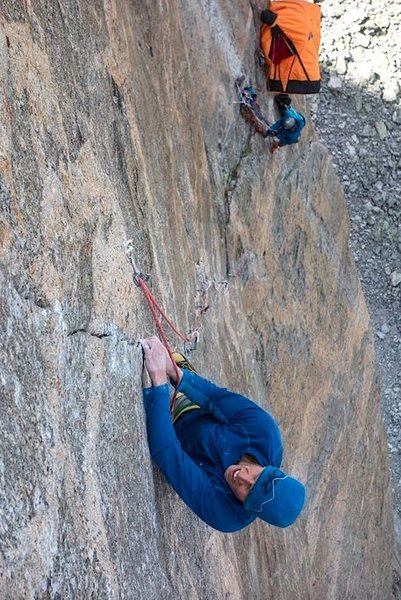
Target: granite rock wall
(117,122)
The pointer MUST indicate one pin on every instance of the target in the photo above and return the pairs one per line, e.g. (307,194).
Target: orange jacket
(299,73)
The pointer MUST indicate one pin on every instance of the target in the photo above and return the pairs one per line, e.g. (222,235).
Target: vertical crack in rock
(230,188)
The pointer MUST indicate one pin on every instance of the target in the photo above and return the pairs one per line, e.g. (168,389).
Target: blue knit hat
(276,497)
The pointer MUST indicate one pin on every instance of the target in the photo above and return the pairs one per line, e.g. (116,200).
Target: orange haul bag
(290,47)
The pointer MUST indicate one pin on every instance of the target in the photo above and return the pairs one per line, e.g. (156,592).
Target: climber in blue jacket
(289,126)
(222,454)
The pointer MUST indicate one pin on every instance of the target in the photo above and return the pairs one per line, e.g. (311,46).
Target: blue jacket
(194,453)
(286,136)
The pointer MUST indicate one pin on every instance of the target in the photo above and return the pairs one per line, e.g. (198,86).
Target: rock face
(117,122)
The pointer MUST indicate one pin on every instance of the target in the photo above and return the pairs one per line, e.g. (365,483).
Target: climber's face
(241,477)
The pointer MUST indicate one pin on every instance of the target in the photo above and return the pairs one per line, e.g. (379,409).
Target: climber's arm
(225,405)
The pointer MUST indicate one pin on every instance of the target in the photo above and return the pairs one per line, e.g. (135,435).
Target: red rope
(155,308)
(153,304)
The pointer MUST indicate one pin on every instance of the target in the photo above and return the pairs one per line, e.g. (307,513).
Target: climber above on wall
(219,451)
(289,127)
(289,42)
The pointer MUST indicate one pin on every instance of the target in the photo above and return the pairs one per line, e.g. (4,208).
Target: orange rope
(157,311)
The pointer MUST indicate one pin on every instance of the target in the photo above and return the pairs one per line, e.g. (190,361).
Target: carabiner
(137,273)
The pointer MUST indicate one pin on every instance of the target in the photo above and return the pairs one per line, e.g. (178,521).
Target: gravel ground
(358,117)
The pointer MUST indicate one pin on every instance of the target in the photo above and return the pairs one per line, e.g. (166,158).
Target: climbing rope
(140,278)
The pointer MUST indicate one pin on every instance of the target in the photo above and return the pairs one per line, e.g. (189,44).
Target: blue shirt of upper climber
(194,453)
(288,136)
